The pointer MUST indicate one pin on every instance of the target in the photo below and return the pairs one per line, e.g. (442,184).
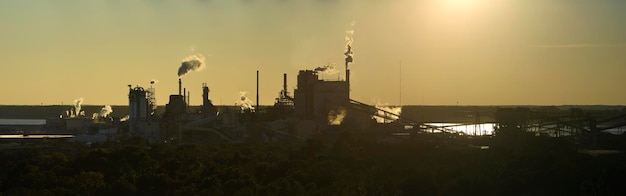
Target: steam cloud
(385,117)
(125,118)
(77,107)
(105,111)
(327,69)
(335,117)
(76,111)
(191,63)
(244,103)
(349,41)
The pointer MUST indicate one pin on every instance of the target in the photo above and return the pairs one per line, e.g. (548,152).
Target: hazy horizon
(452,52)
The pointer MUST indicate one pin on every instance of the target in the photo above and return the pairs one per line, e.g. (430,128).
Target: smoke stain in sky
(191,63)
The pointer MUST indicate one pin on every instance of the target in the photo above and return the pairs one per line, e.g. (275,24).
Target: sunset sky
(474,52)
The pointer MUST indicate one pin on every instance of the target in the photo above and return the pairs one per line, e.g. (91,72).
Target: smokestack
(257,90)
(188,100)
(180,85)
(285,84)
(205,95)
(185,99)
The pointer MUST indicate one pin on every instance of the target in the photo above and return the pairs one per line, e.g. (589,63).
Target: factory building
(141,102)
(315,98)
(141,109)
(208,109)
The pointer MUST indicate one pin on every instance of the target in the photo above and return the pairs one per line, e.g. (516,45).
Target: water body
(32,122)
(488,128)
(475,129)
(14,136)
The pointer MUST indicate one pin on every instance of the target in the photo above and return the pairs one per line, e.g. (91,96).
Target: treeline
(424,165)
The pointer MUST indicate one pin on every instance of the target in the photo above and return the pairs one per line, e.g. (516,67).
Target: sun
(458,7)
(459,4)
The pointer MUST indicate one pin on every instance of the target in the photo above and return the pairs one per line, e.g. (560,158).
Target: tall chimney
(285,84)
(257,90)
(205,95)
(180,85)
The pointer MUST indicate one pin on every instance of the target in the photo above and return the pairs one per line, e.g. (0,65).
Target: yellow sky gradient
(474,52)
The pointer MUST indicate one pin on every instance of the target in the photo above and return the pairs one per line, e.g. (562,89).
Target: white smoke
(154,81)
(349,40)
(244,103)
(327,69)
(125,118)
(105,111)
(191,63)
(336,116)
(384,116)
(76,112)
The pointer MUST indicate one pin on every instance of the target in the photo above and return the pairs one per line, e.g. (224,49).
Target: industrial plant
(317,108)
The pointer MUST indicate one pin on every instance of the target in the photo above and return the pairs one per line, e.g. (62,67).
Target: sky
(410,52)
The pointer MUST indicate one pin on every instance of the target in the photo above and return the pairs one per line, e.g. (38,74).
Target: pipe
(257,90)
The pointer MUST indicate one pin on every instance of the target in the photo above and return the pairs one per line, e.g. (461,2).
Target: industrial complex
(317,108)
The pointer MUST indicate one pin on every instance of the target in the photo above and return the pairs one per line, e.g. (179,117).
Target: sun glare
(458,8)
(458,2)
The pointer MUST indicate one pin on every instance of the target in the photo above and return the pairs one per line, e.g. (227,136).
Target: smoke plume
(77,107)
(191,63)
(349,40)
(244,102)
(105,111)
(154,81)
(335,117)
(384,116)
(125,118)
(327,69)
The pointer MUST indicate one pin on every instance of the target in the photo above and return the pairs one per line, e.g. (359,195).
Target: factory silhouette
(317,108)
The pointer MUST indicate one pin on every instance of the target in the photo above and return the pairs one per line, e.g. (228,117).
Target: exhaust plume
(77,106)
(349,40)
(191,63)
(244,103)
(335,117)
(384,116)
(327,69)
(105,111)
